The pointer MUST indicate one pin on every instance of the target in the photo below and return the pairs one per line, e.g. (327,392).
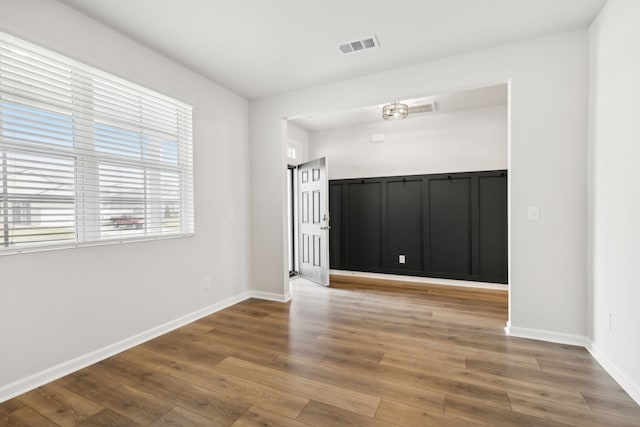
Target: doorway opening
(291,220)
(468,131)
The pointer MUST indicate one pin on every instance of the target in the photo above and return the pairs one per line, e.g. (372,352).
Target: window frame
(23,212)
(164,129)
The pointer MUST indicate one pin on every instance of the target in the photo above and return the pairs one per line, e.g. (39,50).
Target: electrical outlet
(402,259)
(206,284)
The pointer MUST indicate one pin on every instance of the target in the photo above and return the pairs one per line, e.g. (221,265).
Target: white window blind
(86,157)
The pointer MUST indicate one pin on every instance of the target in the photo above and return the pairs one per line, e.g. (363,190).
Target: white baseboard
(419,279)
(43,377)
(269,296)
(550,336)
(629,385)
(36,380)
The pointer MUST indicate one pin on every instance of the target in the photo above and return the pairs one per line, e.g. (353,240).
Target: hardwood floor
(358,353)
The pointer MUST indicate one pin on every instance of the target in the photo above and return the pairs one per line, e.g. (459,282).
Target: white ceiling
(258,47)
(445,103)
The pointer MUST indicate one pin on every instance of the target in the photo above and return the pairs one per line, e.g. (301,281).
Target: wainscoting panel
(451,226)
(492,228)
(404,226)
(364,225)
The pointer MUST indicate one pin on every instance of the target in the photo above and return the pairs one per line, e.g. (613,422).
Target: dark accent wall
(446,225)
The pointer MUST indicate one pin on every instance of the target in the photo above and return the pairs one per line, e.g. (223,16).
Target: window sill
(106,242)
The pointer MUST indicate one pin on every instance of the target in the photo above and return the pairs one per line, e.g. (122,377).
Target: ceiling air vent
(358,45)
(424,108)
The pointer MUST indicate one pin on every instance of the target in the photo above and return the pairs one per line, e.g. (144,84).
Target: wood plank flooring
(363,352)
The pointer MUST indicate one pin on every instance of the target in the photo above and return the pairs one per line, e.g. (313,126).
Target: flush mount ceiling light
(395,111)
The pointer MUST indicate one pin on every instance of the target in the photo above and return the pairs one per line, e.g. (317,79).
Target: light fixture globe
(395,111)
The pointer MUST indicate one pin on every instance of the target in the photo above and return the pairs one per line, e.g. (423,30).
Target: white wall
(614,199)
(548,112)
(462,141)
(60,305)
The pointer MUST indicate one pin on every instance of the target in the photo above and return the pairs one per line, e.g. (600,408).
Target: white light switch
(401,259)
(533,213)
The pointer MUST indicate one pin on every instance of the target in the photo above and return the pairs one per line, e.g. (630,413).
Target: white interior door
(313,221)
